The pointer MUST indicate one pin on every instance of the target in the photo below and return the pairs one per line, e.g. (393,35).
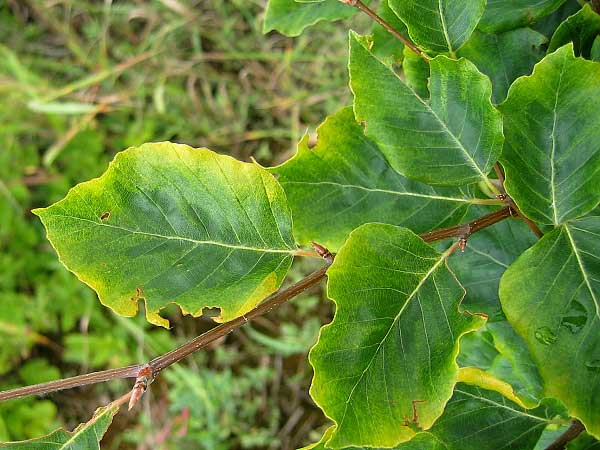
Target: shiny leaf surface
(551,296)
(551,153)
(439,26)
(453,140)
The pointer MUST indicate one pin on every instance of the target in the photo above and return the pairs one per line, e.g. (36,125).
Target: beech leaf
(489,252)
(551,296)
(583,442)
(595,52)
(504,57)
(416,73)
(499,353)
(86,436)
(167,223)
(439,26)
(394,338)
(482,419)
(453,140)
(345,181)
(552,149)
(503,15)
(582,28)
(476,419)
(291,17)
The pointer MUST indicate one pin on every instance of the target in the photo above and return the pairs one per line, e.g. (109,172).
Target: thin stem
(572,432)
(307,253)
(121,400)
(272,301)
(510,202)
(530,223)
(500,174)
(373,15)
(486,201)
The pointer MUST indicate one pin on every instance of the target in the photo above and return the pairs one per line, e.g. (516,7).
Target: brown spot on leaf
(138,294)
(105,216)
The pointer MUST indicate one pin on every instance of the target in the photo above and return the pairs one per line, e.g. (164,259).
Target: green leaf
(503,15)
(421,441)
(519,370)
(550,296)
(504,57)
(550,434)
(502,354)
(345,181)
(169,223)
(595,52)
(291,17)
(548,24)
(480,419)
(453,140)
(416,73)
(440,26)
(583,442)
(477,419)
(394,338)
(581,29)
(387,47)
(551,153)
(86,436)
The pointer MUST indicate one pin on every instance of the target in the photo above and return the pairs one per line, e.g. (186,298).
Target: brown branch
(373,15)
(68,383)
(163,361)
(462,232)
(572,432)
(272,301)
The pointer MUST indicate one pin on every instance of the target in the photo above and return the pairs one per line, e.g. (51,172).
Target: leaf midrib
(87,426)
(444,27)
(583,271)
(383,191)
(181,238)
(553,149)
(445,128)
(515,411)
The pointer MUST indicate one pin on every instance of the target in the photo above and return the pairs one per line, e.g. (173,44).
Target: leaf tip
(38,211)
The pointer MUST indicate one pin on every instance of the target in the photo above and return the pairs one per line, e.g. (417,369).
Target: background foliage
(81,80)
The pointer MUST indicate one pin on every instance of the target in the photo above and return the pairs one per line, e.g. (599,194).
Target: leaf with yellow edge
(394,338)
(171,224)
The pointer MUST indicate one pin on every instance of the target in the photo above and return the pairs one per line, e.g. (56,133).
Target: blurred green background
(82,80)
